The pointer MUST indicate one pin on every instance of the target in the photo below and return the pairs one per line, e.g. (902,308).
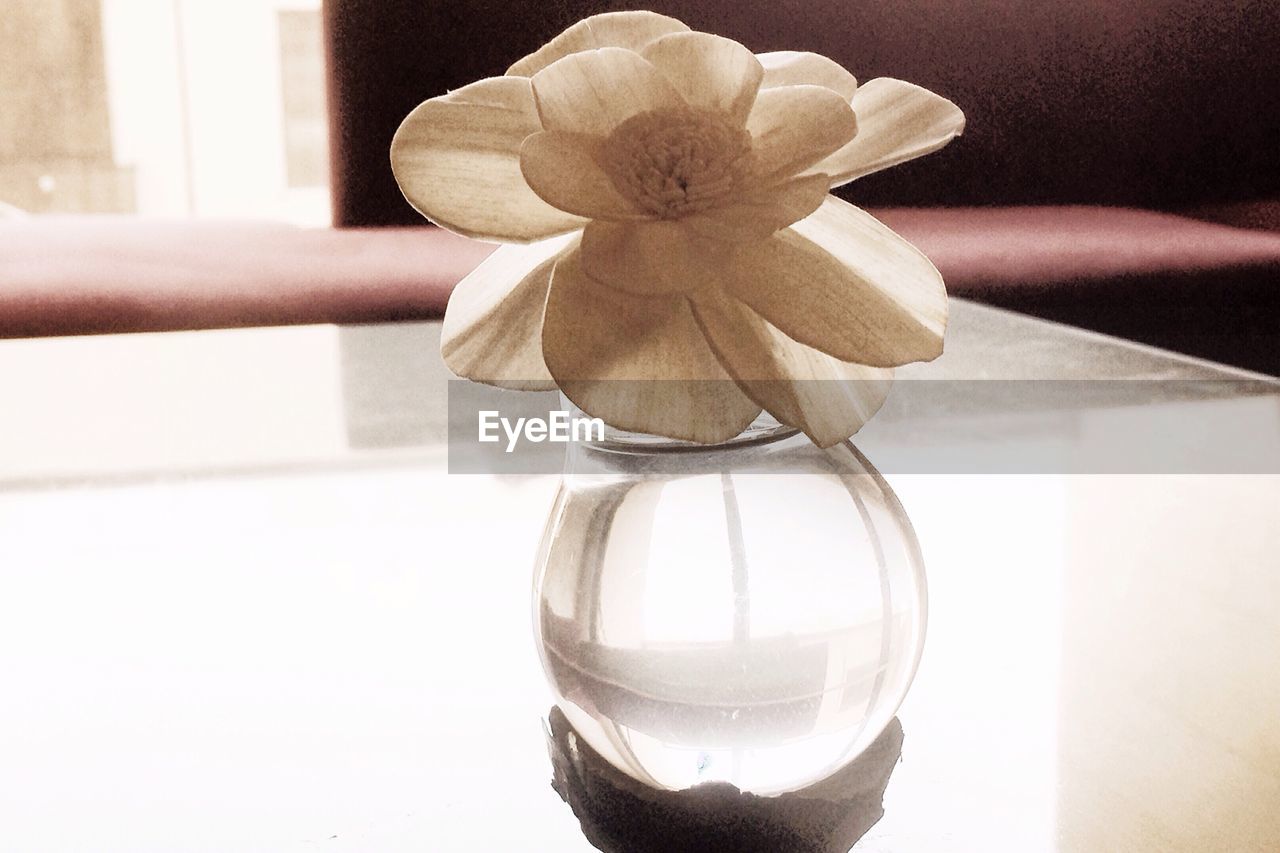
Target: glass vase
(751,612)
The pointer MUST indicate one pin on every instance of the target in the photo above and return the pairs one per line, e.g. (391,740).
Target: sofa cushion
(86,275)
(1197,287)
(1149,103)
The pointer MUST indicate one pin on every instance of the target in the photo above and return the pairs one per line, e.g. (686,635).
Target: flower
(667,194)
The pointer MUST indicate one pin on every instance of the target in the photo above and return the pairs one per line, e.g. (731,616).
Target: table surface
(243,606)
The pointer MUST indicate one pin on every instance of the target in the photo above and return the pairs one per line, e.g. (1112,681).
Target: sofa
(1120,171)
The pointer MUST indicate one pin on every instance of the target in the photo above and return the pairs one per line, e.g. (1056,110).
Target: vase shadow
(621,815)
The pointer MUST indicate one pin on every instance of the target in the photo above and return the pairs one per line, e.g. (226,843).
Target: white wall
(195,95)
(145,101)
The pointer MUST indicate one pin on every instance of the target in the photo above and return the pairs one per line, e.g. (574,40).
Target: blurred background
(164,108)
(1118,171)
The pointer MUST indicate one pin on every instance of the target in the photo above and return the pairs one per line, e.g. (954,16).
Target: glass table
(244,606)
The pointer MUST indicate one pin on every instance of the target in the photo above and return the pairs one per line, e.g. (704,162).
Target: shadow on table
(620,815)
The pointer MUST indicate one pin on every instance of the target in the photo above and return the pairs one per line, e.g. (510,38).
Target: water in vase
(753,626)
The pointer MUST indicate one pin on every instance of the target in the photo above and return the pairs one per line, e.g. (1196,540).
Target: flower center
(676,162)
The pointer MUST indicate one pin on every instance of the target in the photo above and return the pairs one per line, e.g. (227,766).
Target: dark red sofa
(1120,170)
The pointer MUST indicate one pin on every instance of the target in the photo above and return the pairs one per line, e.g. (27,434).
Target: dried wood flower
(667,192)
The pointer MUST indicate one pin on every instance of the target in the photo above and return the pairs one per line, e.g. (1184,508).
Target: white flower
(672,188)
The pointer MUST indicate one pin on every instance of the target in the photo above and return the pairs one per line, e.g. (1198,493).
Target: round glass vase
(750,612)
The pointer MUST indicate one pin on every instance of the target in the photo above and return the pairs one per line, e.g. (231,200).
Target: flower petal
(828,399)
(897,122)
(761,213)
(597,90)
(564,169)
(493,326)
(632,30)
(709,71)
(875,253)
(843,283)
(649,258)
(457,160)
(794,127)
(640,363)
(795,68)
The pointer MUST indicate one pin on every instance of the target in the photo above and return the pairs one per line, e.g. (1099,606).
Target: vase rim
(621,441)
(763,430)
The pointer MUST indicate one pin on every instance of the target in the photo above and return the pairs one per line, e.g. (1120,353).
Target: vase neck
(763,429)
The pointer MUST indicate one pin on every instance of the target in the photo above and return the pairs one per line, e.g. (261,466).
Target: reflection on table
(620,815)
